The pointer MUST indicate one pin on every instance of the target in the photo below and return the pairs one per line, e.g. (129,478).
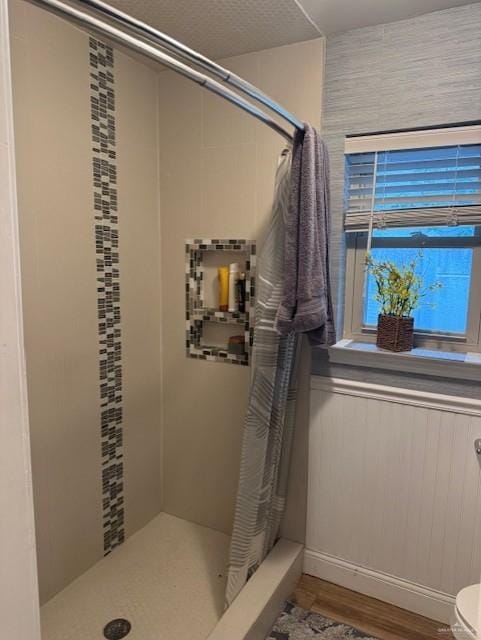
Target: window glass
(444,310)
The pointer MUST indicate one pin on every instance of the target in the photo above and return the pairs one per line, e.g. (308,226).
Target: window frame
(356,244)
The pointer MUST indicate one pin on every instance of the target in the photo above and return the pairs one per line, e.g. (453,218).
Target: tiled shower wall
(92,283)
(217,168)
(85,124)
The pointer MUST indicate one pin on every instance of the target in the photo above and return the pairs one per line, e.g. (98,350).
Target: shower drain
(117,629)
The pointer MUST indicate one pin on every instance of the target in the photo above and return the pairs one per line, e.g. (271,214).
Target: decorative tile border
(102,101)
(197,313)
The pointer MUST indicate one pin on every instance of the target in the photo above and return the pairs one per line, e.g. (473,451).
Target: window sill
(446,364)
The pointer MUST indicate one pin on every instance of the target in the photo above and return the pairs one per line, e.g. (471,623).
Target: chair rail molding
(428,400)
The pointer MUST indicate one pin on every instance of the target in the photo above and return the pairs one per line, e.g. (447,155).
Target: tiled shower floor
(168,580)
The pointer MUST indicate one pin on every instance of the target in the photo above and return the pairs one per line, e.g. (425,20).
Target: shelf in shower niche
(204,321)
(213,315)
(204,352)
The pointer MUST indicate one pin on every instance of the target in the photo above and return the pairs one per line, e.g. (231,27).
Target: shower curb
(254,611)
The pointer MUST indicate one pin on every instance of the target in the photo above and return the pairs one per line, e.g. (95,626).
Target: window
(417,194)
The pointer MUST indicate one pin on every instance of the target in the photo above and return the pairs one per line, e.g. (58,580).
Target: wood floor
(373,617)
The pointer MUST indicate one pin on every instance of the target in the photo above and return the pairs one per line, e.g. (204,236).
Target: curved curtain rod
(98,26)
(183,51)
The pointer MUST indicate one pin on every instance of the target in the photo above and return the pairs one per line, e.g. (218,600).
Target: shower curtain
(269,423)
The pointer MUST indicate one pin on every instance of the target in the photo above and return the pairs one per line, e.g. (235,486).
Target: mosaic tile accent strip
(104,162)
(196,311)
(295,623)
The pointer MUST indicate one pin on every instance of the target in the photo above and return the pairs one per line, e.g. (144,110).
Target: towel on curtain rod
(306,305)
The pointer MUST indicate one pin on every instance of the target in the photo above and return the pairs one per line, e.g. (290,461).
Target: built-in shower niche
(208,329)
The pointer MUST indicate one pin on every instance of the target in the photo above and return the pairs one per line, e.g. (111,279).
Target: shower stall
(135,447)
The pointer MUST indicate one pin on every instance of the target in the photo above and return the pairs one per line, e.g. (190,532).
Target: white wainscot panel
(394,503)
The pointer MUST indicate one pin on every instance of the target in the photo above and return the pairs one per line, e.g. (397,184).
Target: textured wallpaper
(413,73)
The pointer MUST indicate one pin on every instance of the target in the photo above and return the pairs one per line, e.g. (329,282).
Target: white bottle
(233,277)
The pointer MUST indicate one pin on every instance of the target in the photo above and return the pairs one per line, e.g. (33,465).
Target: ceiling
(335,16)
(222,28)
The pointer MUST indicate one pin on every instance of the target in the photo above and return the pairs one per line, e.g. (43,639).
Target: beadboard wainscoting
(394,499)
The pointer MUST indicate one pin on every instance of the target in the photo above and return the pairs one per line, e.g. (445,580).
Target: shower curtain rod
(100,27)
(194,57)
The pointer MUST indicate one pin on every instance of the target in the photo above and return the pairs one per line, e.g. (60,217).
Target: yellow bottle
(223,288)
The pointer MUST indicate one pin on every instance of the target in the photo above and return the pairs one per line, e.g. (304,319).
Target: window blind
(432,186)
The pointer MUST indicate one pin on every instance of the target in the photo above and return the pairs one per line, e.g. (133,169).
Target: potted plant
(399,290)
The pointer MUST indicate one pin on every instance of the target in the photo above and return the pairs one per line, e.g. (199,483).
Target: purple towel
(306,304)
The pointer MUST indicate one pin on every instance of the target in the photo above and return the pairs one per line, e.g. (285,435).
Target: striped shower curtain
(269,422)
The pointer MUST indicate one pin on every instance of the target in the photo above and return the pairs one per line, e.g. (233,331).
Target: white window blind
(403,187)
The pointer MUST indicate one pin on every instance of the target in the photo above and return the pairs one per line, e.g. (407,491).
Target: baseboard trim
(254,611)
(402,593)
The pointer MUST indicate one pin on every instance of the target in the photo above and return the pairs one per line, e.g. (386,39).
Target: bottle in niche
(241,293)
(237,345)
(223,288)
(233,277)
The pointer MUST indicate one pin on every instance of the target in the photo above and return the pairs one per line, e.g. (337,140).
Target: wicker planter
(395,334)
